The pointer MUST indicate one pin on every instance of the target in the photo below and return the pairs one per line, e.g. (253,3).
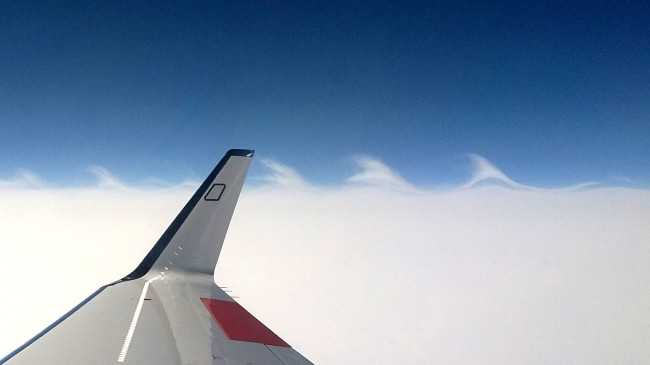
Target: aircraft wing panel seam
(136,315)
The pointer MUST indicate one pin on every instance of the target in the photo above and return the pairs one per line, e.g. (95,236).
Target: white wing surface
(169,310)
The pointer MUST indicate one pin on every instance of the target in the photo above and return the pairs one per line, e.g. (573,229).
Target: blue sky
(553,93)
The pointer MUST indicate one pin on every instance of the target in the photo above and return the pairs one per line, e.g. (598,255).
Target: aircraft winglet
(193,241)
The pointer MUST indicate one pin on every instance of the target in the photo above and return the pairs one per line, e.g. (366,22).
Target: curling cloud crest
(282,176)
(375,173)
(23,180)
(486,173)
(105,179)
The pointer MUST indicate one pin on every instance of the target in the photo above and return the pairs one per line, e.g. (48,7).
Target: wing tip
(161,244)
(240,152)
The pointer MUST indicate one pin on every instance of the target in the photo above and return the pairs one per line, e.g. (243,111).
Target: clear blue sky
(554,93)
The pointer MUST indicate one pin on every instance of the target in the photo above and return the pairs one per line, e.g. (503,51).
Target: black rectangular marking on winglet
(215,192)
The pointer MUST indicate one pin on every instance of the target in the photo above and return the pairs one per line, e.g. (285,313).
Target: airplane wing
(169,309)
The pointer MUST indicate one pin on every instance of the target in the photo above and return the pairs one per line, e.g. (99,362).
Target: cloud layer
(374,271)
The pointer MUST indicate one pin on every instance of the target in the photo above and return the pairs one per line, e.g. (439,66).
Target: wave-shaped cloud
(282,176)
(375,173)
(372,172)
(24,179)
(105,179)
(485,173)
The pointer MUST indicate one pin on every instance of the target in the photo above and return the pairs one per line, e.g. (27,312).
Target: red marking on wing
(238,324)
